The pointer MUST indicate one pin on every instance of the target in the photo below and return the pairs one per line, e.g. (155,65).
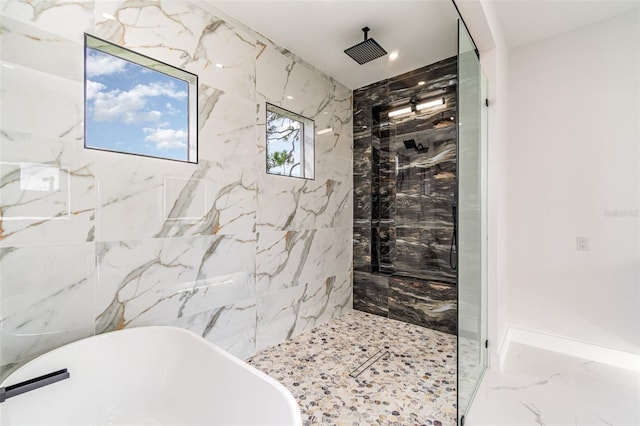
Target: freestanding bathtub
(148,376)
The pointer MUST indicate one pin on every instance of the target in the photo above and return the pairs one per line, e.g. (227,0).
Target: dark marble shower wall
(404,190)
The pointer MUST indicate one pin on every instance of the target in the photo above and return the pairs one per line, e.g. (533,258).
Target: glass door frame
(474,248)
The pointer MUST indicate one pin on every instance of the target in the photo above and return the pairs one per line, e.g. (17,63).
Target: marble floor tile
(539,387)
(362,369)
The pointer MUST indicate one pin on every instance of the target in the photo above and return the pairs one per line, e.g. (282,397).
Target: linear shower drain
(369,362)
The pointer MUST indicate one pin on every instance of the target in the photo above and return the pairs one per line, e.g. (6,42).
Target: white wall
(248,260)
(498,256)
(574,113)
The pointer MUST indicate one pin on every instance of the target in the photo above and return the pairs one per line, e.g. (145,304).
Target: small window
(137,105)
(290,140)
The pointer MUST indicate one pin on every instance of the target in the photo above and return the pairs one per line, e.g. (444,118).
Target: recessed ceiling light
(421,83)
(393,55)
(289,97)
(219,66)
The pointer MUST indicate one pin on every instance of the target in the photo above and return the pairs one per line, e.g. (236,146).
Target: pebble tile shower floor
(362,369)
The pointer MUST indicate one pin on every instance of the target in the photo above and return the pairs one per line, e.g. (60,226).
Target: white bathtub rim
(291,401)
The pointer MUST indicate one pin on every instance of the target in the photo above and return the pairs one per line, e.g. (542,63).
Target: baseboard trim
(563,345)
(503,348)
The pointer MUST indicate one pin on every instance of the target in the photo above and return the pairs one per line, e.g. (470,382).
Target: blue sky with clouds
(130,108)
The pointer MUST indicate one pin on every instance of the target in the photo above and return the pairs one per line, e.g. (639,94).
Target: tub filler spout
(32,384)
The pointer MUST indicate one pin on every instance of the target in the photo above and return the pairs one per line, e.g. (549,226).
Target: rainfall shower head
(365,51)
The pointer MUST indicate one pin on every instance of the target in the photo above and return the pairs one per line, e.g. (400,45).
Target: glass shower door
(471,206)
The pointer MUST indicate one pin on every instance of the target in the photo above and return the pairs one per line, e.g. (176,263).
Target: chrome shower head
(366,50)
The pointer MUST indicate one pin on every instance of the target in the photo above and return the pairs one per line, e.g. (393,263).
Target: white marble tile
(227,195)
(47,298)
(539,387)
(48,190)
(32,100)
(330,299)
(176,243)
(293,204)
(186,36)
(225,59)
(160,280)
(227,128)
(48,52)
(232,327)
(333,157)
(286,259)
(168,31)
(131,198)
(334,151)
(167,197)
(299,307)
(285,80)
(278,313)
(69,18)
(289,312)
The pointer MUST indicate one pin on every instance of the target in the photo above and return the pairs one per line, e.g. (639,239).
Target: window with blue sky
(134,109)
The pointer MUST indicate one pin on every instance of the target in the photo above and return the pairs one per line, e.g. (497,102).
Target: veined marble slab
(19,37)
(287,313)
(217,246)
(47,298)
(183,34)
(172,198)
(47,191)
(37,102)
(68,18)
(286,259)
(403,195)
(539,387)
(156,281)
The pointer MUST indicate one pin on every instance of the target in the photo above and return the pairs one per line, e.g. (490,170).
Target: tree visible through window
(289,143)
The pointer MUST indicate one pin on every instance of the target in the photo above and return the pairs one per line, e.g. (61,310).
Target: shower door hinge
(486,344)
(462,421)
(486,102)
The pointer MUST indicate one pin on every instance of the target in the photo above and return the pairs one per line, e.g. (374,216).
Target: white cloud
(103,64)
(159,89)
(166,138)
(93,87)
(171,110)
(130,106)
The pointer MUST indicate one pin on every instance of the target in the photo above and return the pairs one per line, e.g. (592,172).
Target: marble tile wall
(243,258)
(403,199)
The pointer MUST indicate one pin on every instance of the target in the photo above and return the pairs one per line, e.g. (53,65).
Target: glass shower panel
(472,354)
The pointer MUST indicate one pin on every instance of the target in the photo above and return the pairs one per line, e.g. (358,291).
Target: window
(137,105)
(290,141)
